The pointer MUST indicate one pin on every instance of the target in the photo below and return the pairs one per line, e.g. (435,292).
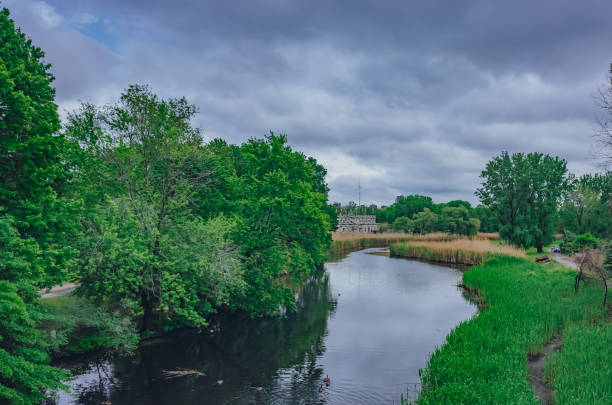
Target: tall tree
(31,151)
(143,245)
(284,220)
(34,222)
(524,192)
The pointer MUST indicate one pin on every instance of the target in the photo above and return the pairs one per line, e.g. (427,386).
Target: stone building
(357,223)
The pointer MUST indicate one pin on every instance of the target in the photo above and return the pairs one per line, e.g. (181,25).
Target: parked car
(556,249)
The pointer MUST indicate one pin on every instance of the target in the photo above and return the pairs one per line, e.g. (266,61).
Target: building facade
(357,223)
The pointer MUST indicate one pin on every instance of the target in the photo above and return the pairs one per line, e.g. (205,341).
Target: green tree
(284,220)
(457,220)
(488,221)
(31,153)
(524,192)
(25,376)
(587,206)
(425,221)
(402,224)
(405,207)
(143,247)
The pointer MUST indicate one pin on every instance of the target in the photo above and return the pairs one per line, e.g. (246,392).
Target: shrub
(573,244)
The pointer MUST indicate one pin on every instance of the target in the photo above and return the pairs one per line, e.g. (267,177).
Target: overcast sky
(404,97)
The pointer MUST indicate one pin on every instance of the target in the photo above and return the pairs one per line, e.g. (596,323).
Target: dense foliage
(24,373)
(180,229)
(35,222)
(524,190)
(587,207)
(30,153)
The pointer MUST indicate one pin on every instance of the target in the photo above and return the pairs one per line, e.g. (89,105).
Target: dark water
(369,322)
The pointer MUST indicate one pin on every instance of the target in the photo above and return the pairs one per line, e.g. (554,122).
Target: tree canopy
(524,191)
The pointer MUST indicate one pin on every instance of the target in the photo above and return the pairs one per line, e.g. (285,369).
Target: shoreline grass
(459,251)
(484,359)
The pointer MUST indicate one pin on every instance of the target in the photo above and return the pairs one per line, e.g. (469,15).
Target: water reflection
(369,322)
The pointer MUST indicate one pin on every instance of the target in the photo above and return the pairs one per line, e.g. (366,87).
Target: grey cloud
(403,97)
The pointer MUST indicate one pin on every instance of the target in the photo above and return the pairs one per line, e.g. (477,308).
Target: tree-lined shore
(158,228)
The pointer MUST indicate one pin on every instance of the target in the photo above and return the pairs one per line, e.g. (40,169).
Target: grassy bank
(460,251)
(581,373)
(484,360)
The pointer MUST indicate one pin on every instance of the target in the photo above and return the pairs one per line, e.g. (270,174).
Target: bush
(77,325)
(573,244)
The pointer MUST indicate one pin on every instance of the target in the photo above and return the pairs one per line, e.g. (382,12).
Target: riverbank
(485,360)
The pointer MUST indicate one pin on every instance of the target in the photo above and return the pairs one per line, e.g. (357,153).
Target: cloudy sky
(403,97)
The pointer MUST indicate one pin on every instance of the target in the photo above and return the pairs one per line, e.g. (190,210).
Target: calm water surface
(369,322)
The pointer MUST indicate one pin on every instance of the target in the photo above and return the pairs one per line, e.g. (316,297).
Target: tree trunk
(146,305)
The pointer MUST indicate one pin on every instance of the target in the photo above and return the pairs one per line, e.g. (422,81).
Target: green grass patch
(484,360)
(581,373)
(533,253)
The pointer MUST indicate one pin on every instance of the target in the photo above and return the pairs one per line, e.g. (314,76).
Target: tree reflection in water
(244,361)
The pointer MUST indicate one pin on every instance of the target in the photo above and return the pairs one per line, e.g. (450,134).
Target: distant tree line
(419,214)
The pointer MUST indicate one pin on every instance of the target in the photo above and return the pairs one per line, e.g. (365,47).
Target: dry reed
(461,251)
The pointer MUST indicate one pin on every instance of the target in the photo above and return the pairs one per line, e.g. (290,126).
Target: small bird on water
(327,381)
(321,388)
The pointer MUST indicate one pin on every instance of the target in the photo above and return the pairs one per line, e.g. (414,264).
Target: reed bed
(437,236)
(348,242)
(459,251)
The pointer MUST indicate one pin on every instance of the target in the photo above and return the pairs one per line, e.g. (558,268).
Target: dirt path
(564,260)
(58,290)
(536,370)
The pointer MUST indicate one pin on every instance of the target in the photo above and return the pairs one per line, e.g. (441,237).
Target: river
(369,322)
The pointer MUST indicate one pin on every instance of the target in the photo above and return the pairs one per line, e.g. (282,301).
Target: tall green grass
(484,360)
(581,373)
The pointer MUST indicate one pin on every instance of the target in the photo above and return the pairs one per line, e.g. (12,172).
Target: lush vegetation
(158,228)
(35,221)
(577,243)
(484,360)
(586,207)
(580,372)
